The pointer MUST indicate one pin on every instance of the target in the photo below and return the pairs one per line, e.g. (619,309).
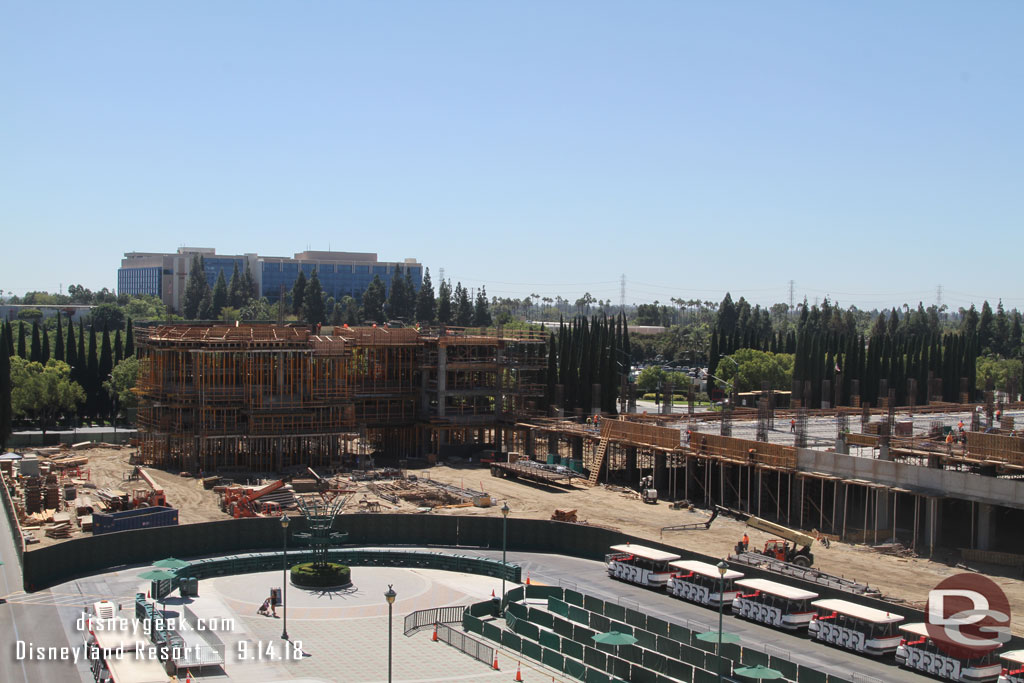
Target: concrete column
(985,526)
(424,396)
(661,473)
(631,476)
(932,523)
(841,446)
(577,447)
(883,512)
(442,378)
(552,445)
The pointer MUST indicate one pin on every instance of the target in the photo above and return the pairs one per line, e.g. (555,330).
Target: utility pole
(791,297)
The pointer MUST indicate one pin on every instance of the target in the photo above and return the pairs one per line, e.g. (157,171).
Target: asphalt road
(31,619)
(592,578)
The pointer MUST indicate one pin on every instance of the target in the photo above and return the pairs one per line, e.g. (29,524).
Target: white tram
(640,564)
(855,627)
(696,581)
(773,603)
(918,652)
(1013,667)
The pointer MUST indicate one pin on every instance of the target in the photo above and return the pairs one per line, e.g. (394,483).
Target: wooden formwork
(263,397)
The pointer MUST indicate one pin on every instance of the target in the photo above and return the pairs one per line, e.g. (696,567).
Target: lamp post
(504,545)
(390,597)
(284,575)
(722,569)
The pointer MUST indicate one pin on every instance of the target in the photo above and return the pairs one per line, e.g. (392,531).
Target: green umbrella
(157,575)
(613,638)
(712,637)
(758,672)
(171,563)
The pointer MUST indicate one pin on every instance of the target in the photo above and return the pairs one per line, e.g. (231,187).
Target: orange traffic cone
(527,578)
(492,593)
(434,638)
(519,674)
(495,666)
(147,594)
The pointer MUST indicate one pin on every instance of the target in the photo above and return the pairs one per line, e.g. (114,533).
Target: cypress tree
(444,302)
(314,298)
(298,293)
(235,288)
(92,375)
(58,348)
(5,387)
(10,338)
(69,351)
(220,295)
(196,287)
(248,286)
(106,364)
(22,351)
(44,349)
(552,376)
(117,347)
(129,342)
(36,351)
(83,362)
(425,304)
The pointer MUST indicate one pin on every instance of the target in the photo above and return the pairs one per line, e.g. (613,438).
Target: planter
(331,575)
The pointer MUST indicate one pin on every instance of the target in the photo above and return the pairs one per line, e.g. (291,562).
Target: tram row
(865,630)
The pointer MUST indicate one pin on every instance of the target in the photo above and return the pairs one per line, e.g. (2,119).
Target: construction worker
(745,542)
(792,425)
(949,442)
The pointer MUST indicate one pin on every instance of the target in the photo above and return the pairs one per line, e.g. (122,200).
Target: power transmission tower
(791,296)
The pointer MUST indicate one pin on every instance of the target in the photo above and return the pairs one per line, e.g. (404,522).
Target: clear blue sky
(869,151)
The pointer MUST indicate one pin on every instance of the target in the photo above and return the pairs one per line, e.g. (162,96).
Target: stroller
(265,608)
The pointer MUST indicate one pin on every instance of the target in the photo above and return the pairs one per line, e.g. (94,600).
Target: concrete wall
(36,440)
(923,480)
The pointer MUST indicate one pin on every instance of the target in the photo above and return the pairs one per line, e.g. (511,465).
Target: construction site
(239,421)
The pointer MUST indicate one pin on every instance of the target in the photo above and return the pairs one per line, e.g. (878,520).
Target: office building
(341,273)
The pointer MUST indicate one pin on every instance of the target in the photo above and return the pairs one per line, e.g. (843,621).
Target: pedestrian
(792,425)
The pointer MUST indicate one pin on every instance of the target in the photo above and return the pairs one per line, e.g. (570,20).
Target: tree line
(912,353)
(588,352)
(83,373)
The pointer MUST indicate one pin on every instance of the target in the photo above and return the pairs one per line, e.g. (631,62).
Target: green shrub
(310,575)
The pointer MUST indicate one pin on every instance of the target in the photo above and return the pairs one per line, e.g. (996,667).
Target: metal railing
(426,618)
(460,641)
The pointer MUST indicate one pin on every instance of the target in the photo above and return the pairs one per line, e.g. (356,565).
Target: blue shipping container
(140,518)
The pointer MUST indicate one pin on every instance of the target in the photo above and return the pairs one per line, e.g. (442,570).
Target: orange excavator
(242,503)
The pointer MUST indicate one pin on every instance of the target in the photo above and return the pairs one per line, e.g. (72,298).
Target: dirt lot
(907,579)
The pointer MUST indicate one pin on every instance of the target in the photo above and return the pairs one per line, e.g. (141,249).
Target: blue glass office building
(340,273)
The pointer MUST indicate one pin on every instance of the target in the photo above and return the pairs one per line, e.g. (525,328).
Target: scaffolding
(270,397)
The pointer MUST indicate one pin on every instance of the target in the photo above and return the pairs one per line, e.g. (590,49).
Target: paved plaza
(337,635)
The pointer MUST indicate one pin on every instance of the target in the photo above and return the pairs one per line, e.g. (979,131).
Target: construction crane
(693,526)
(241,503)
(789,545)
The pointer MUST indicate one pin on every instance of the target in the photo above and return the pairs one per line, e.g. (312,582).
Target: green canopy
(712,637)
(171,563)
(758,672)
(157,575)
(613,638)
